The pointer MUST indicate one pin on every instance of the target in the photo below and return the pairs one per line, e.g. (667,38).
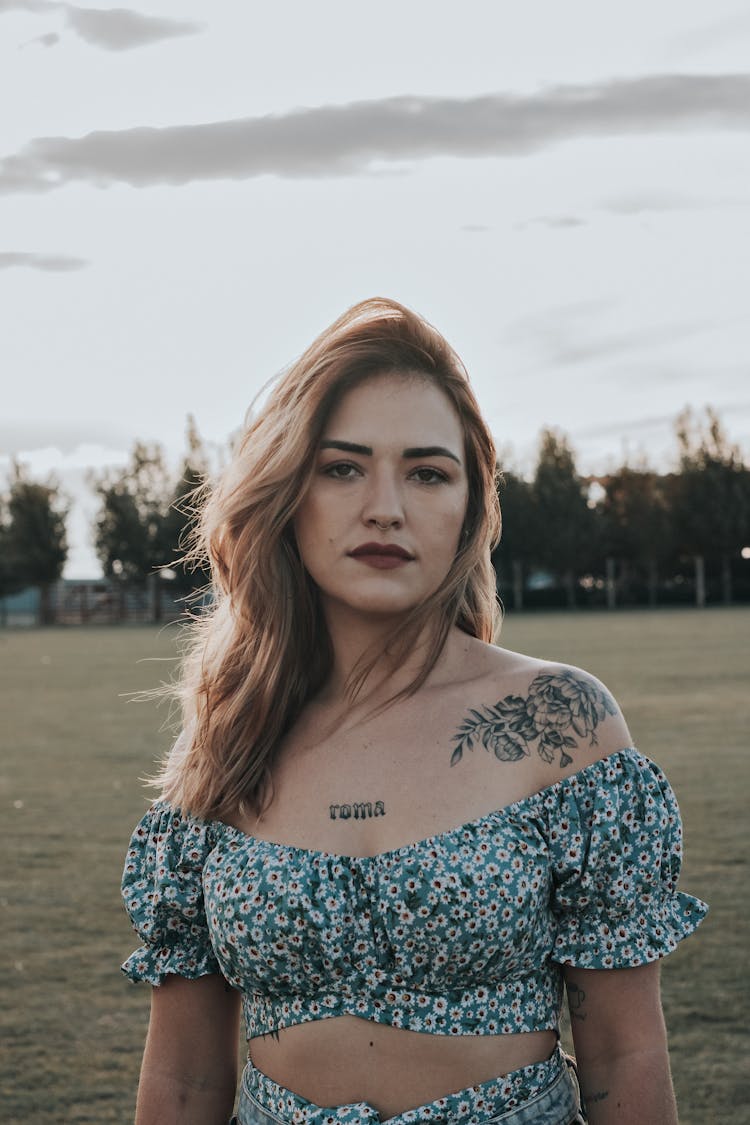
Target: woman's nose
(383,505)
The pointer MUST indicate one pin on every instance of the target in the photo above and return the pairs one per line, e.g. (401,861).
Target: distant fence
(106,602)
(96,602)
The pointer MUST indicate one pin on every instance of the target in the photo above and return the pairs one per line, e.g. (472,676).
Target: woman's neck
(356,640)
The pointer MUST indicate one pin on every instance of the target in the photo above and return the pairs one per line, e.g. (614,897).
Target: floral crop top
(462,933)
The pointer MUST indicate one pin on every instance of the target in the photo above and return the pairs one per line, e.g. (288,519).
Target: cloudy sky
(190,193)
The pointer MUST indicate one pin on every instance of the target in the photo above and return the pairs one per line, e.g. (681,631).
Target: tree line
(629,536)
(633,533)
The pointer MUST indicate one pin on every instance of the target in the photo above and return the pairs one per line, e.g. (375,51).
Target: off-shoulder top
(462,933)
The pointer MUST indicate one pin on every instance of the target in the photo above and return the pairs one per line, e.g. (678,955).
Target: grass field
(73,747)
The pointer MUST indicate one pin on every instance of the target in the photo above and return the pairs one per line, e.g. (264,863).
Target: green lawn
(74,746)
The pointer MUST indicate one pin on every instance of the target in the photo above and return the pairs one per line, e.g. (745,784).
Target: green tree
(129,530)
(710,497)
(515,552)
(10,577)
(565,529)
(34,537)
(181,516)
(635,523)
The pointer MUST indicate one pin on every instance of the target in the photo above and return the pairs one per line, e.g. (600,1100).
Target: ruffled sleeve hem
(645,936)
(162,888)
(616,852)
(151,964)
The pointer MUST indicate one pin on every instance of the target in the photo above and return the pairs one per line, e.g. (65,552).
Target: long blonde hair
(263,649)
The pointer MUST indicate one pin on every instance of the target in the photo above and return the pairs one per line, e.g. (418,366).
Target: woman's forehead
(395,406)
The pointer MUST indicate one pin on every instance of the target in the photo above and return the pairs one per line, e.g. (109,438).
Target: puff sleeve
(616,853)
(162,890)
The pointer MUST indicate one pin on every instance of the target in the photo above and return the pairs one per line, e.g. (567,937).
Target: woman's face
(380,524)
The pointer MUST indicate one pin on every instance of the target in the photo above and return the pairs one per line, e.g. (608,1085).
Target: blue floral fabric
(462,933)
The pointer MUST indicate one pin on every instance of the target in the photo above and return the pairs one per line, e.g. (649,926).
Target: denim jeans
(263,1102)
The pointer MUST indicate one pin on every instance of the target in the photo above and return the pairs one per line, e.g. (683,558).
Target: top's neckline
(504,810)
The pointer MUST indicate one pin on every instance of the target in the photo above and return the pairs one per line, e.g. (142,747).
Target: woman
(393,838)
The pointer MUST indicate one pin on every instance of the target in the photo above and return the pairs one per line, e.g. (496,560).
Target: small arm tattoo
(599,1096)
(359,810)
(558,706)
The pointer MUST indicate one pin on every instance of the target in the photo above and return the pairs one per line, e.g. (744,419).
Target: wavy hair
(262,650)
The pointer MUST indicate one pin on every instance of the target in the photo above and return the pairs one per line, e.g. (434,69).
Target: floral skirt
(544,1093)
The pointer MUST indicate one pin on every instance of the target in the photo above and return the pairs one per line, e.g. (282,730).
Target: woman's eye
(341,470)
(429,476)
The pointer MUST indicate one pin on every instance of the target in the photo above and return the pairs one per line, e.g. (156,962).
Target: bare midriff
(345,1059)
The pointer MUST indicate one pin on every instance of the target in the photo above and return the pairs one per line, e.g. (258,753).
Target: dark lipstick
(383,556)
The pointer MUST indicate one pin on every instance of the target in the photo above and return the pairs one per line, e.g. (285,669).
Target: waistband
(542,1092)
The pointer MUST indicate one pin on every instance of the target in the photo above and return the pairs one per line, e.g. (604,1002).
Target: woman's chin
(372,609)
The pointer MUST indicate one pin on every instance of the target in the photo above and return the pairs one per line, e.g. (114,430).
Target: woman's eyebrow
(414,453)
(430,451)
(348,447)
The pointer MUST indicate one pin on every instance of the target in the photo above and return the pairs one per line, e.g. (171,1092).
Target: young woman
(392,839)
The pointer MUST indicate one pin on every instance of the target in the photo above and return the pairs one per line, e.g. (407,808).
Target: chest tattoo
(558,706)
(359,810)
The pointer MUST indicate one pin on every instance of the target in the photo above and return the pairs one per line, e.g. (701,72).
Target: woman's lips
(381,556)
(382,562)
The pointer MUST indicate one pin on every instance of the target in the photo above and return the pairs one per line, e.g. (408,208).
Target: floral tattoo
(557,703)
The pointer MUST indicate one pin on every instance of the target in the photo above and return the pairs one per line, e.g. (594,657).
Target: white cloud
(112,29)
(120,29)
(51,459)
(354,138)
(22,437)
(560,222)
(49,39)
(54,263)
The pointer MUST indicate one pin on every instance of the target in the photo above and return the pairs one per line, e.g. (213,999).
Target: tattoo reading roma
(360,810)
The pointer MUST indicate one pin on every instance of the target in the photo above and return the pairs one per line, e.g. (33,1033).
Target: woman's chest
(457,903)
(363,793)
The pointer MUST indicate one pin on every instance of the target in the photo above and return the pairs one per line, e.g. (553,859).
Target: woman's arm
(189,1070)
(621,1045)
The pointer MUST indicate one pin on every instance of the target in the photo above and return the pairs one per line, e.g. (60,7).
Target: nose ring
(382,526)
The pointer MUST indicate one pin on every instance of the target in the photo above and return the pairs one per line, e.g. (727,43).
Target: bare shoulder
(557,717)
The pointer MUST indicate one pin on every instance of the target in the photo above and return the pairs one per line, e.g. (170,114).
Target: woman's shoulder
(558,717)
(166,830)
